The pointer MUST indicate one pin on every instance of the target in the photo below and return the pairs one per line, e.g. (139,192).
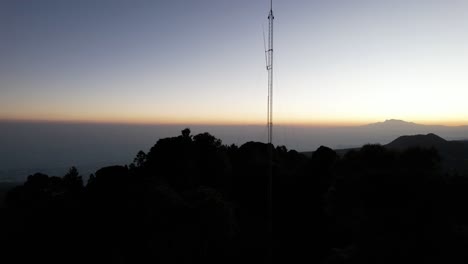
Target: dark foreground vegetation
(191,199)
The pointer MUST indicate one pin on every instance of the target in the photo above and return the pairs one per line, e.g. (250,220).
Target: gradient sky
(174,61)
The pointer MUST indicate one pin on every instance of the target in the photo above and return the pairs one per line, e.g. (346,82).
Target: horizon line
(225,123)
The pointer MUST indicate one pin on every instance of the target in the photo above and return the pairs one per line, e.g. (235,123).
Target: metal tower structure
(269,67)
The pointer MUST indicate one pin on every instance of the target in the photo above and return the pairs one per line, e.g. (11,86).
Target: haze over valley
(52,148)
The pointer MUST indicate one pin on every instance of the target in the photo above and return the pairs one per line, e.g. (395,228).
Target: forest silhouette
(191,199)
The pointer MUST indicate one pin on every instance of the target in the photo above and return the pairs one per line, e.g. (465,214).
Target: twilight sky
(202,62)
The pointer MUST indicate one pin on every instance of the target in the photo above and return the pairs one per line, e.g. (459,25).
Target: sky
(203,62)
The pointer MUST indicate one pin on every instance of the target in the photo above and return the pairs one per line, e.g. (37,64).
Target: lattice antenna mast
(269,68)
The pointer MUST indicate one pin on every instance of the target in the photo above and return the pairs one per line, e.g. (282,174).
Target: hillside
(454,154)
(424,141)
(191,199)
(448,149)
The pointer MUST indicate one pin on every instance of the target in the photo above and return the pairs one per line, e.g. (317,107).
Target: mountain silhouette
(394,123)
(423,141)
(402,125)
(454,154)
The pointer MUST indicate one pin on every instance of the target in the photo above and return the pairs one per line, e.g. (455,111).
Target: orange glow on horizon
(232,122)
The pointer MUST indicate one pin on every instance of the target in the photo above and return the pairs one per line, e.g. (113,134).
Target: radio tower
(269,67)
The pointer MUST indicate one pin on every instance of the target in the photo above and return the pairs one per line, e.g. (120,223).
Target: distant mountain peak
(397,121)
(393,123)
